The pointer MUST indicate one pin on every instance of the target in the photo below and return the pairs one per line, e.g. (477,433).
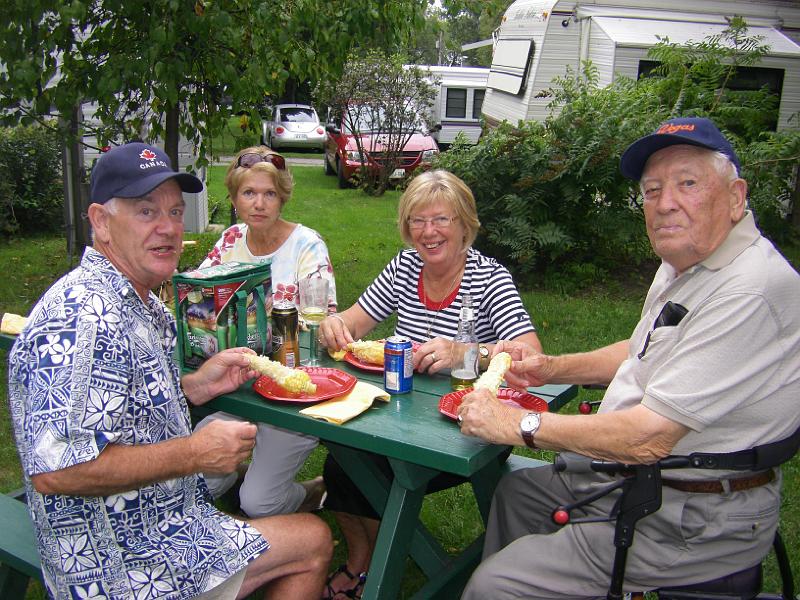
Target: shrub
(31,192)
(550,195)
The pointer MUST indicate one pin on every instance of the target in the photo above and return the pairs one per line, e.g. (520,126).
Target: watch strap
(528,437)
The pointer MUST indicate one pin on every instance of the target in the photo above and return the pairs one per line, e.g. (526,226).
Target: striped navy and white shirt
(499,313)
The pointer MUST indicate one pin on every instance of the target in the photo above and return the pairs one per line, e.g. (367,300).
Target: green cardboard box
(221,307)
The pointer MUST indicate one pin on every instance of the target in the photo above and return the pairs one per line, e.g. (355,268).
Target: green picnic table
(419,443)
(6,341)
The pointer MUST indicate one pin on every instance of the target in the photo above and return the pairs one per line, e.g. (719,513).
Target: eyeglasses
(440,222)
(252,158)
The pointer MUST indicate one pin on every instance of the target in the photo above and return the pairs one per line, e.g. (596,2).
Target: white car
(293,126)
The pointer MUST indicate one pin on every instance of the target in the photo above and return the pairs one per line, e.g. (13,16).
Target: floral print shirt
(303,254)
(94,366)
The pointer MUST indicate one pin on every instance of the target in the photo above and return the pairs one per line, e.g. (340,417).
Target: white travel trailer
(539,38)
(458,102)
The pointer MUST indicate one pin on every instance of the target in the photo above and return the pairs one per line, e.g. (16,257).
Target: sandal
(353,592)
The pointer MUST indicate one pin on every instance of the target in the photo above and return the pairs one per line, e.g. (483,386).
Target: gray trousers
(692,538)
(269,487)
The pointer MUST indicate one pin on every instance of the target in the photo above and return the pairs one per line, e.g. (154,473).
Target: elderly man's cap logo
(134,170)
(673,128)
(694,131)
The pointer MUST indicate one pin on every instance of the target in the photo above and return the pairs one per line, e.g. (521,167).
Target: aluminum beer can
(285,331)
(398,368)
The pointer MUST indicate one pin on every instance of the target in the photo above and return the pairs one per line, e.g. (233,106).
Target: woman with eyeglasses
(423,284)
(259,185)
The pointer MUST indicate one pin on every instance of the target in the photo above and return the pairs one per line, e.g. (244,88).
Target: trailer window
(456,103)
(745,79)
(510,65)
(477,103)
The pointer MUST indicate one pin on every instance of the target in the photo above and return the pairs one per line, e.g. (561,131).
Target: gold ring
(433,356)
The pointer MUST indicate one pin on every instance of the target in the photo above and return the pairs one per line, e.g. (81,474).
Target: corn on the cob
(292,380)
(369,351)
(337,355)
(493,376)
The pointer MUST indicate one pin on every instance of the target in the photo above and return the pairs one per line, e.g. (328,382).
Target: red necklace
(427,303)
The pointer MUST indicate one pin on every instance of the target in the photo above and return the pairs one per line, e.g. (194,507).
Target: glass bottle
(465,352)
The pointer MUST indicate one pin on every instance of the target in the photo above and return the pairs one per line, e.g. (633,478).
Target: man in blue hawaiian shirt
(102,426)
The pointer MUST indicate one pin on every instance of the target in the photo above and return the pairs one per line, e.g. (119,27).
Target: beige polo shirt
(730,370)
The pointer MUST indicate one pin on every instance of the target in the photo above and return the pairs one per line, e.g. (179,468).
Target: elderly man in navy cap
(102,427)
(711,367)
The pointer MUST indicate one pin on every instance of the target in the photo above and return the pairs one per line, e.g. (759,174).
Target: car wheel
(343,182)
(328,168)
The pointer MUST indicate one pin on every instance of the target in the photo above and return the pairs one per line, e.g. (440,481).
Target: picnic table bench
(19,558)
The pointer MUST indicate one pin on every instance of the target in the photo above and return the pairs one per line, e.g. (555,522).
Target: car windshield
(372,120)
(298,115)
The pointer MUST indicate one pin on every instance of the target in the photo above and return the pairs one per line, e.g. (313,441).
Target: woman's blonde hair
(439,186)
(280,177)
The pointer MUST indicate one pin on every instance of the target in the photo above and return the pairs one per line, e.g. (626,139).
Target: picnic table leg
(398,525)
(484,483)
(13,584)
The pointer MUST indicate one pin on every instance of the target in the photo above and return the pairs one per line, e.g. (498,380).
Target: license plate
(300,136)
(398,174)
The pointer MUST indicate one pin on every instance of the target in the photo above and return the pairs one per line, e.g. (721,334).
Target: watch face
(529,423)
(483,351)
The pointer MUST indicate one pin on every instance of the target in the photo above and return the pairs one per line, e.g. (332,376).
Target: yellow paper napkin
(342,409)
(12,324)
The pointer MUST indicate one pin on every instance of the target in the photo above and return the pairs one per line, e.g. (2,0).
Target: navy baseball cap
(132,170)
(694,131)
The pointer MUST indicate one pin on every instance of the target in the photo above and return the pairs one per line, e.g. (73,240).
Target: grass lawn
(362,236)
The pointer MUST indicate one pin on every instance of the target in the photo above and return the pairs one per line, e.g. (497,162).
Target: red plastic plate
(330,383)
(360,364)
(449,403)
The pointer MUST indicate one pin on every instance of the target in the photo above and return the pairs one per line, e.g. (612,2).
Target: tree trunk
(796,200)
(76,193)
(172,135)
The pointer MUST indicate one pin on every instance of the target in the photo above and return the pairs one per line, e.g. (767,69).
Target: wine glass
(314,308)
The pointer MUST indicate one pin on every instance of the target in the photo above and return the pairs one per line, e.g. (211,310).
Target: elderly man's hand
(222,373)
(222,445)
(529,367)
(484,416)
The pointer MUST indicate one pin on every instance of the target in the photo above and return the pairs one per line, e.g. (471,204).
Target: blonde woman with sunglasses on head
(259,185)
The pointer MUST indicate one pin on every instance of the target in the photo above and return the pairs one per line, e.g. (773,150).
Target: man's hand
(221,445)
(222,373)
(529,367)
(484,416)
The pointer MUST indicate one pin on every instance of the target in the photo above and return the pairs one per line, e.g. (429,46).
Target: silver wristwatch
(528,427)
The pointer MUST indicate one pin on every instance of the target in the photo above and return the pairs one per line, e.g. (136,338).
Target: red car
(342,157)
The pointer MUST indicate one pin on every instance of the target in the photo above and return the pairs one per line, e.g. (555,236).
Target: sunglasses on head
(251,158)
